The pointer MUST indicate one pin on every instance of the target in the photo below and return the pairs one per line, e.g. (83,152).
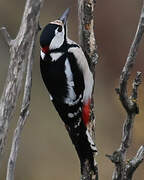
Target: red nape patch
(86,112)
(45,49)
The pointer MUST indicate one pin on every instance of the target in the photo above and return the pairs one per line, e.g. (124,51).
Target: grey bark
(21,53)
(22,118)
(88,44)
(21,49)
(124,170)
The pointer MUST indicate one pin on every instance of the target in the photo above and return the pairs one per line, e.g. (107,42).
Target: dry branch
(21,53)
(22,119)
(133,164)
(124,170)
(88,44)
(20,50)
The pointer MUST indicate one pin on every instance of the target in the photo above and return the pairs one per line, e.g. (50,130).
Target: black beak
(64,17)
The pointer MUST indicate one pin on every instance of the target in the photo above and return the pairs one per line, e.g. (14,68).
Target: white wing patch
(88,77)
(71,96)
(55,55)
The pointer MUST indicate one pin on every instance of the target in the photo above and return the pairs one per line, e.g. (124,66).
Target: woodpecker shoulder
(84,67)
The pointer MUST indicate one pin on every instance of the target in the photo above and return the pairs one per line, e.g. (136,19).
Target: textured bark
(22,118)
(21,49)
(123,169)
(88,44)
(21,54)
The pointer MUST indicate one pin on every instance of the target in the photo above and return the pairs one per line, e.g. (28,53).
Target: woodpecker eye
(60,29)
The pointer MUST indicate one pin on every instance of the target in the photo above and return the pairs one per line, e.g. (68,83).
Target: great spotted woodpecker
(66,75)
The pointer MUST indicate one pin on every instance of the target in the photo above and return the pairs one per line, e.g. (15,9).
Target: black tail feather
(82,145)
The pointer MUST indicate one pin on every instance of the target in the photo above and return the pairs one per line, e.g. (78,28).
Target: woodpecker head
(54,34)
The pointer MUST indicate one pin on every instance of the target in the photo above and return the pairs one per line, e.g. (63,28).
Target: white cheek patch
(58,40)
(42,54)
(55,56)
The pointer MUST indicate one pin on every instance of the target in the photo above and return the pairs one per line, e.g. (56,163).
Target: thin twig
(88,44)
(129,104)
(15,144)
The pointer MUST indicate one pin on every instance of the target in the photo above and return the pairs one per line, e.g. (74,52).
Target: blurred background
(46,151)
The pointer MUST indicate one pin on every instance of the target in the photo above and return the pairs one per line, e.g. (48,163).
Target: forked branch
(22,118)
(20,50)
(124,170)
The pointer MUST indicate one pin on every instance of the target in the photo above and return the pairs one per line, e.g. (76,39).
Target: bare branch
(20,50)
(21,121)
(135,162)
(86,30)
(15,144)
(88,44)
(129,104)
